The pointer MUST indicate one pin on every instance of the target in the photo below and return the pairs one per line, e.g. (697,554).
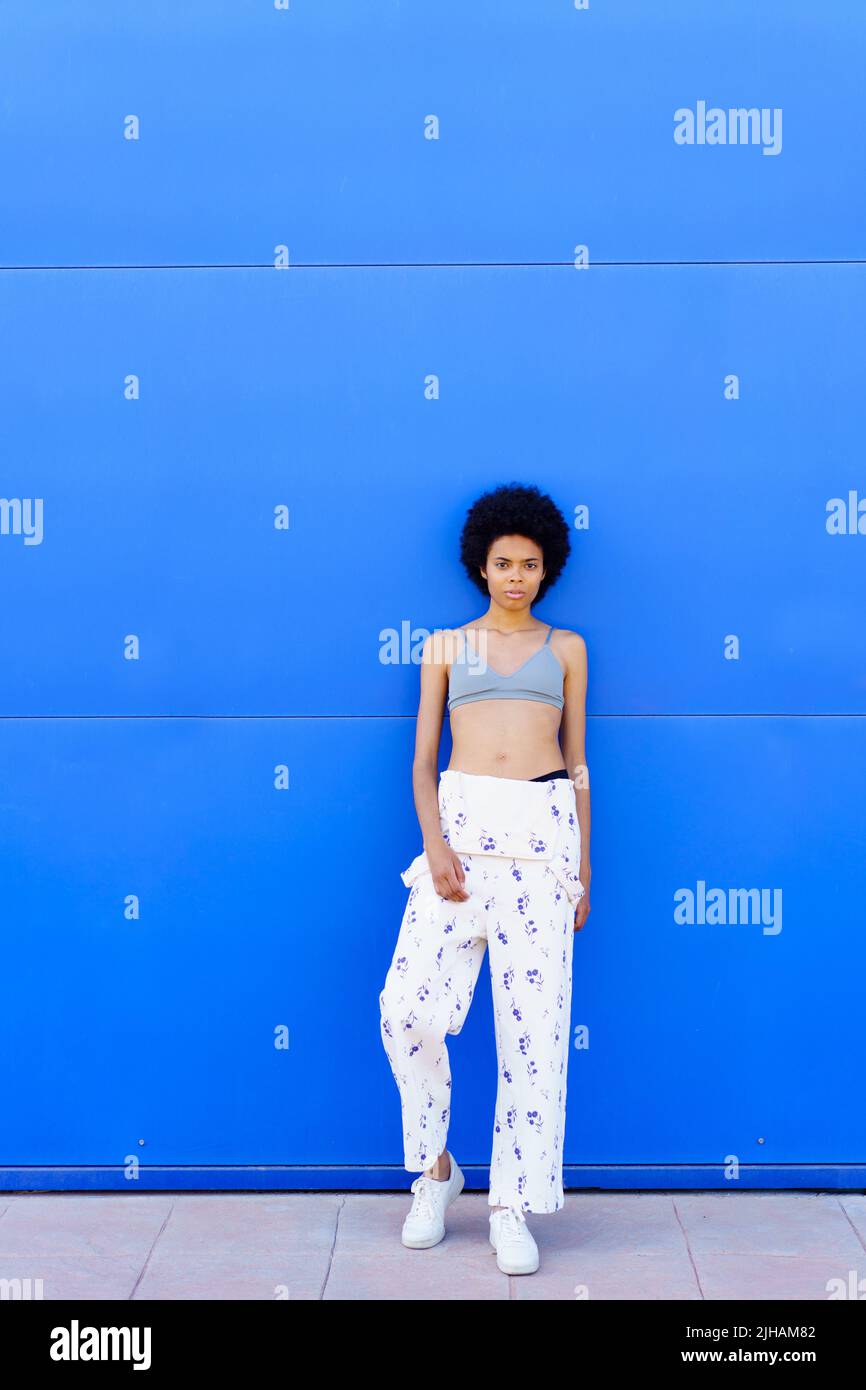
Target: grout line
(844,1211)
(332,1249)
(156,1238)
(688,1248)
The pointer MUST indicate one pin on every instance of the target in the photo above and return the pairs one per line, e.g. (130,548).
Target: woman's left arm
(572,738)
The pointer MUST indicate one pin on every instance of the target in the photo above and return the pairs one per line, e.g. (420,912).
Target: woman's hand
(449,880)
(583,909)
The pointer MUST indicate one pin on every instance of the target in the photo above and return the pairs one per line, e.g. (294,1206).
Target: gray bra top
(540,677)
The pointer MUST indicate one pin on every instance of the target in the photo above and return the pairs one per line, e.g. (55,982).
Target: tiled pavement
(346,1245)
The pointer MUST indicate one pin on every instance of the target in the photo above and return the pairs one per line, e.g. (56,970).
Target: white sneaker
(511,1238)
(425,1224)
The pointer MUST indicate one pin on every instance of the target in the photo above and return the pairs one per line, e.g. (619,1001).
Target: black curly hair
(515,509)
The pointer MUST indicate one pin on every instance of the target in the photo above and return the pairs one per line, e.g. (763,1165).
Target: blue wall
(243,487)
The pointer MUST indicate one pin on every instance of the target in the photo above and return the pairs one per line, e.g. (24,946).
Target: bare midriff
(506,738)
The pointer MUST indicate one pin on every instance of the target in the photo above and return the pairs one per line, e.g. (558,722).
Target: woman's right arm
(445,865)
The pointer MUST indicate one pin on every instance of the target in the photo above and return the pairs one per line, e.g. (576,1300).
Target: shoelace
(423,1204)
(512,1224)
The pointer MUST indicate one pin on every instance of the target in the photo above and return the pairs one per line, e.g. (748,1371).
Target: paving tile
(592,1275)
(413,1275)
(769,1223)
(75,1276)
(285,1225)
(612,1222)
(232,1276)
(80,1224)
(760,1276)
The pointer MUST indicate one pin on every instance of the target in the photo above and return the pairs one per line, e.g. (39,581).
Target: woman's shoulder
(567,633)
(570,643)
(443,644)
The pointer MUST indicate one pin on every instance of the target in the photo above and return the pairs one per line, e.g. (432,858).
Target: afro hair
(515,509)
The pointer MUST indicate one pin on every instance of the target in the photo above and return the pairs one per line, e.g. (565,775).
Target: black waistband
(548,776)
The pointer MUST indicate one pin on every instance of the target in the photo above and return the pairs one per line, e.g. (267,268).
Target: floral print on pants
(519,844)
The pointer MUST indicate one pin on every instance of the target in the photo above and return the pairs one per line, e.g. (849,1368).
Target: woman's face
(514,571)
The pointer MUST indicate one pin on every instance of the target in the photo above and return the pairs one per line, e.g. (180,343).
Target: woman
(505,866)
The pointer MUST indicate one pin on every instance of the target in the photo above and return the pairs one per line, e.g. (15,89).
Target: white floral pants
(519,844)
